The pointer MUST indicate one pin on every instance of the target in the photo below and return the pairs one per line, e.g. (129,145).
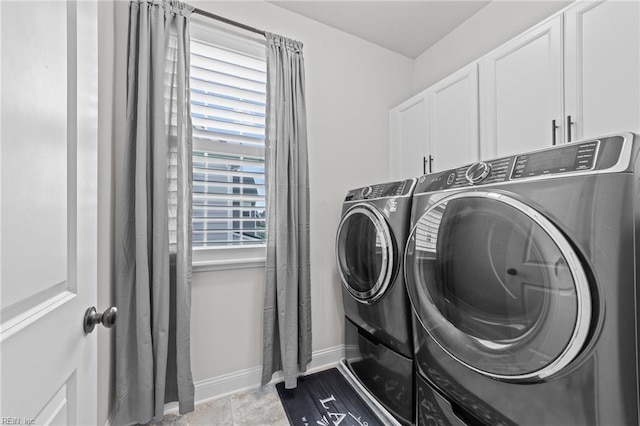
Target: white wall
(491,26)
(106,123)
(351,85)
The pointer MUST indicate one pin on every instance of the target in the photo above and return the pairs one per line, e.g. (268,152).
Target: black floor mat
(325,398)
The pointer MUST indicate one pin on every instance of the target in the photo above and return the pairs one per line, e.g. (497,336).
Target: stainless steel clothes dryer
(369,247)
(521,273)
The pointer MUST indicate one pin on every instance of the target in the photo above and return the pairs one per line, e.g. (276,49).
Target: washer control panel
(578,157)
(478,173)
(565,159)
(390,189)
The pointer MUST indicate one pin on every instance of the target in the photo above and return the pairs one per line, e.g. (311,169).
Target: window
(228,102)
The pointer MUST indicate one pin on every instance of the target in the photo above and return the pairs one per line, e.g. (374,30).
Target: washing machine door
(498,286)
(365,253)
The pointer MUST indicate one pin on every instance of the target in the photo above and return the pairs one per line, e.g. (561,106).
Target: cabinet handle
(569,124)
(424,164)
(554,127)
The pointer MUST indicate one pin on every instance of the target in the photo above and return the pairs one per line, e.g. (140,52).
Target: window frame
(227,257)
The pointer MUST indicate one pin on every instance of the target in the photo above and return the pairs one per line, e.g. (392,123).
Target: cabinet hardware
(554,127)
(569,124)
(424,164)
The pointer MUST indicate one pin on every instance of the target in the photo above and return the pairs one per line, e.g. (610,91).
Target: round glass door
(497,286)
(365,253)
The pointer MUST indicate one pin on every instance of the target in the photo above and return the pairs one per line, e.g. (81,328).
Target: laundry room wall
(491,26)
(351,85)
(111,75)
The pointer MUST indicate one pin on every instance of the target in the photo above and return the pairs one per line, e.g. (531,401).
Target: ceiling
(406,27)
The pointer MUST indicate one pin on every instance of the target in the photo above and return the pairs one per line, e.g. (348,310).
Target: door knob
(91,317)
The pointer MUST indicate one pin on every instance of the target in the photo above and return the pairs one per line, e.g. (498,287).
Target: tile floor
(256,407)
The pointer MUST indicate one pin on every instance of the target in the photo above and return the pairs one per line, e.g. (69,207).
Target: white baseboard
(250,378)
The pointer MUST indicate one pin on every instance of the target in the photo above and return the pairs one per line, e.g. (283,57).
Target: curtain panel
(153,218)
(287,304)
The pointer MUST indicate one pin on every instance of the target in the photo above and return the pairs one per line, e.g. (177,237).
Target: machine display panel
(560,160)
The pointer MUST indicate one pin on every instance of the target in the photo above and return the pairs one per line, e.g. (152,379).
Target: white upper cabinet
(438,128)
(574,76)
(521,92)
(408,149)
(453,120)
(602,69)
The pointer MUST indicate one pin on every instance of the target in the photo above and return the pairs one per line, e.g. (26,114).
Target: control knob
(477,172)
(366,192)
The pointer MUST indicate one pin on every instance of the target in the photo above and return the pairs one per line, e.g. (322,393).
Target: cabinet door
(522,92)
(603,68)
(453,120)
(408,145)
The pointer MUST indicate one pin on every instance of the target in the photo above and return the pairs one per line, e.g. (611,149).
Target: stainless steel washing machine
(369,245)
(521,273)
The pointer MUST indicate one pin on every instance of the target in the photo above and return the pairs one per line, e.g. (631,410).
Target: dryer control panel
(389,189)
(571,158)
(588,156)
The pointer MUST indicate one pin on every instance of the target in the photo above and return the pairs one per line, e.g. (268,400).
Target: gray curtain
(153,218)
(287,304)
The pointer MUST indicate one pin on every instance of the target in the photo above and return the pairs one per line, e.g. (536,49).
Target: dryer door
(365,253)
(497,286)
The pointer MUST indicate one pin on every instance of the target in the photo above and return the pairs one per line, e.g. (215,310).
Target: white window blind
(228,100)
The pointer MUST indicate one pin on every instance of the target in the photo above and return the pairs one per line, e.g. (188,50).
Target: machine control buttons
(570,158)
(390,189)
(451,178)
(477,172)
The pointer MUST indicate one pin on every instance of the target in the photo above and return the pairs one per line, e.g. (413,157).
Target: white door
(522,92)
(409,154)
(48,211)
(453,120)
(603,68)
